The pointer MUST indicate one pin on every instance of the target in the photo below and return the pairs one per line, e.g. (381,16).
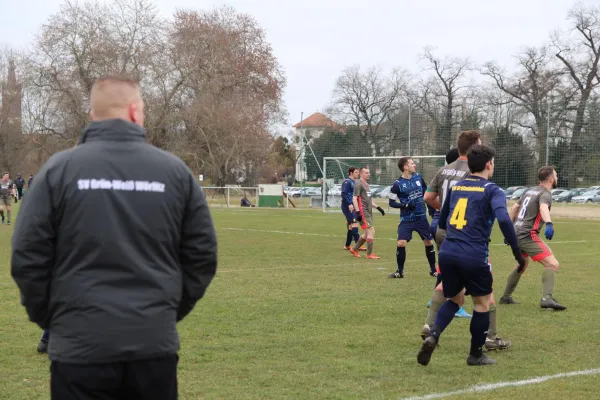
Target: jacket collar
(117,130)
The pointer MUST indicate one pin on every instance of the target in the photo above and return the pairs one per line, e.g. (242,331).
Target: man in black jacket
(19,184)
(114,245)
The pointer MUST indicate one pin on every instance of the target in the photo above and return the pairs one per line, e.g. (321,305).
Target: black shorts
(461,273)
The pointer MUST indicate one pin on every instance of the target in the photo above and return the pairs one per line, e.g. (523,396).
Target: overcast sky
(315,40)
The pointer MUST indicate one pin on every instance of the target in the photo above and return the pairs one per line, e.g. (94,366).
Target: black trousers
(154,379)
(19,194)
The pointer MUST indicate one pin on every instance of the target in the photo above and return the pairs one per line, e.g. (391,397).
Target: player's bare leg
(511,284)
(437,300)
(548,301)
(8,212)
(3,212)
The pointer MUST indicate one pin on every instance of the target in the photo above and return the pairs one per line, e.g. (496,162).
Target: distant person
(7,191)
(30,181)
(19,185)
(245,202)
(115,244)
(348,208)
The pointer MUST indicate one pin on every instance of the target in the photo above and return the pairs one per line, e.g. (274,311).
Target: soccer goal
(384,171)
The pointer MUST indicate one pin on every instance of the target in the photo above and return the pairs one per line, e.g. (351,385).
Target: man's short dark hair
(351,170)
(478,156)
(545,172)
(403,162)
(466,140)
(452,155)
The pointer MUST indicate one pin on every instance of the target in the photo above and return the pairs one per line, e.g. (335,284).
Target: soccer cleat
(551,303)
(462,313)
(396,275)
(362,248)
(347,247)
(8,223)
(508,300)
(426,350)
(497,344)
(42,347)
(373,257)
(354,252)
(482,360)
(425,331)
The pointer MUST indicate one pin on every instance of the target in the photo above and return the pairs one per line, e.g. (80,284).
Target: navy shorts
(350,216)
(462,273)
(406,228)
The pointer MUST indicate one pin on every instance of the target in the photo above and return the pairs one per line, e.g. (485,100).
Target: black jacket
(114,243)
(19,183)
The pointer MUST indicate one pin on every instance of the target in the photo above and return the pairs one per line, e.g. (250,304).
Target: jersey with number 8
(472,206)
(529,218)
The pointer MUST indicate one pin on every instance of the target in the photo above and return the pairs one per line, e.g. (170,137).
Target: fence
(231,196)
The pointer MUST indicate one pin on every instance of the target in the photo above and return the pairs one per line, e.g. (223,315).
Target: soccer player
(348,208)
(364,204)
(529,214)
(6,191)
(407,195)
(467,216)
(449,171)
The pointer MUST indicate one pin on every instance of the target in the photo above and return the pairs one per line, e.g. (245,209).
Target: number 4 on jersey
(458,215)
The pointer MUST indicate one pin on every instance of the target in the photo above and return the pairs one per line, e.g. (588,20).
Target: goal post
(384,171)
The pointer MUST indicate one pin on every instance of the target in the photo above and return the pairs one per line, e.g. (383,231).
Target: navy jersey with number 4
(468,215)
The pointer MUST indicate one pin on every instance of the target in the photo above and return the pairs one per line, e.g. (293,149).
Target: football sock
(46,335)
(400,258)
(437,299)
(8,215)
(512,282)
(493,331)
(430,253)
(548,277)
(360,242)
(349,236)
(2,214)
(438,280)
(443,318)
(355,234)
(369,247)
(479,326)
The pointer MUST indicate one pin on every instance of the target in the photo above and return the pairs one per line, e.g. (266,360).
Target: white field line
(376,238)
(486,387)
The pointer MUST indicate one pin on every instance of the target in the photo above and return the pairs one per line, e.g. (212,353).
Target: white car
(591,196)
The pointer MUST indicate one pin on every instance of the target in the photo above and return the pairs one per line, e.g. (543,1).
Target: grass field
(292,315)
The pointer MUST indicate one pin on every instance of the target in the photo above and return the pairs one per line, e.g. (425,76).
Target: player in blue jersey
(348,208)
(468,215)
(407,195)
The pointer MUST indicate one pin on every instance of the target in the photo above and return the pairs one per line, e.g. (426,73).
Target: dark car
(565,197)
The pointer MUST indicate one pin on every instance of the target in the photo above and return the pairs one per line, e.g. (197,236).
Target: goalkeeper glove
(381,211)
(549,233)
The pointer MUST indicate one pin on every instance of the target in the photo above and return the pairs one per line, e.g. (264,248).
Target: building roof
(316,120)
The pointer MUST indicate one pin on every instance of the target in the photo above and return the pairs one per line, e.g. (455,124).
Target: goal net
(384,171)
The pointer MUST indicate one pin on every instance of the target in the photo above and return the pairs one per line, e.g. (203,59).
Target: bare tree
(530,87)
(580,57)
(368,100)
(439,94)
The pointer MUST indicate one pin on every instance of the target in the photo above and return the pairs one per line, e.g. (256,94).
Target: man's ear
(133,112)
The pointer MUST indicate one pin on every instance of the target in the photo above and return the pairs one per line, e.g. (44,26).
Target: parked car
(557,192)
(516,195)
(510,190)
(567,196)
(385,192)
(591,196)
